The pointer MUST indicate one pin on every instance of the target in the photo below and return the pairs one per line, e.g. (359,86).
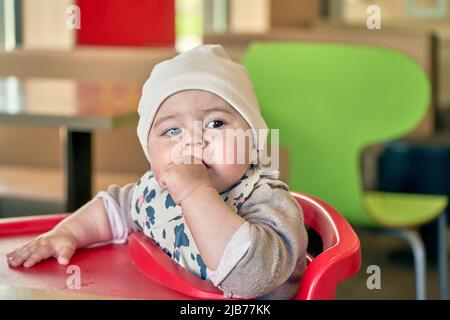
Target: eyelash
(164,133)
(223,122)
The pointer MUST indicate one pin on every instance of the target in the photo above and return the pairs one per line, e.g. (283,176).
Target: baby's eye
(215,124)
(172,132)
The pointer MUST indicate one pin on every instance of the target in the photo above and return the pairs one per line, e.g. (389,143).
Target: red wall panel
(127,22)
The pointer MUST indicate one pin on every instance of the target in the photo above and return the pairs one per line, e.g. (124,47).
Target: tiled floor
(397,279)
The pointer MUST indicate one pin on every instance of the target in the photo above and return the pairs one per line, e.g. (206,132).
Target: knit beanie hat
(205,67)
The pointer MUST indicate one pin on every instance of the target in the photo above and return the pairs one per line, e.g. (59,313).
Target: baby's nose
(194,146)
(196,142)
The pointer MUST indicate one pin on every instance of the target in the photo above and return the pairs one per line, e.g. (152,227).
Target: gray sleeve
(278,240)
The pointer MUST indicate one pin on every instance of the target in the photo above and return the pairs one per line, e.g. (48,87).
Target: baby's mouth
(206,165)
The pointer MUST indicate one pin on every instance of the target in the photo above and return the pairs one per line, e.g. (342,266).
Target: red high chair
(140,270)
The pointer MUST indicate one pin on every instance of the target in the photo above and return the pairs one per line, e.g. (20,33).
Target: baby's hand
(184,176)
(59,244)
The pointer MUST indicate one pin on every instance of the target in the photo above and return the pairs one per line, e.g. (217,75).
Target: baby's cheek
(161,154)
(224,151)
(213,148)
(228,150)
(174,152)
(241,149)
(156,167)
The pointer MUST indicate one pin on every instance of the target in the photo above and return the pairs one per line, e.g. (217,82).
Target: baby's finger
(39,254)
(10,257)
(19,249)
(192,158)
(196,159)
(19,257)
(29,248)
(178,160)
(65,254)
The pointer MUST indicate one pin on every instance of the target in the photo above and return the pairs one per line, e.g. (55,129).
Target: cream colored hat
(205,67)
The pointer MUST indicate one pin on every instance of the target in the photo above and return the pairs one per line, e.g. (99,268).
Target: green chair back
(330,101)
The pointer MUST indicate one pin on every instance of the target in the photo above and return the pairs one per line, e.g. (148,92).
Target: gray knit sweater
(276,257)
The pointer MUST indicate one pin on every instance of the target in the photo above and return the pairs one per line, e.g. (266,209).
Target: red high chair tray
(106,272)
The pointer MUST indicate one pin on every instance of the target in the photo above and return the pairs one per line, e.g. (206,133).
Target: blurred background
(64,55)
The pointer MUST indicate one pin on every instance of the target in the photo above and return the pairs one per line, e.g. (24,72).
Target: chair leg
(442,255)
(415,241)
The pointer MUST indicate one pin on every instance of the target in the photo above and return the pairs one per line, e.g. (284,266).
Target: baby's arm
(86,226)
(212,223)
(270,249)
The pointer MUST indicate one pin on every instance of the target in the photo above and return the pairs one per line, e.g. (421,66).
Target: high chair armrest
(159,267)
(341,257)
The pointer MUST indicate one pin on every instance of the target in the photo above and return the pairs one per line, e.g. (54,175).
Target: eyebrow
(161,120)
(206,111)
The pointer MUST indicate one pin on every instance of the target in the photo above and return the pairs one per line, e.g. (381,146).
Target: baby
(211,206)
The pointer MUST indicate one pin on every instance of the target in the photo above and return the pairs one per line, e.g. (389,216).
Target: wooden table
(78,108)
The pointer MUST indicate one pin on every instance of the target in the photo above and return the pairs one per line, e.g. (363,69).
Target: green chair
(330,101)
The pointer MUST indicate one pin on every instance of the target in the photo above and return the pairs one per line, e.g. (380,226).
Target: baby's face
(199,123)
